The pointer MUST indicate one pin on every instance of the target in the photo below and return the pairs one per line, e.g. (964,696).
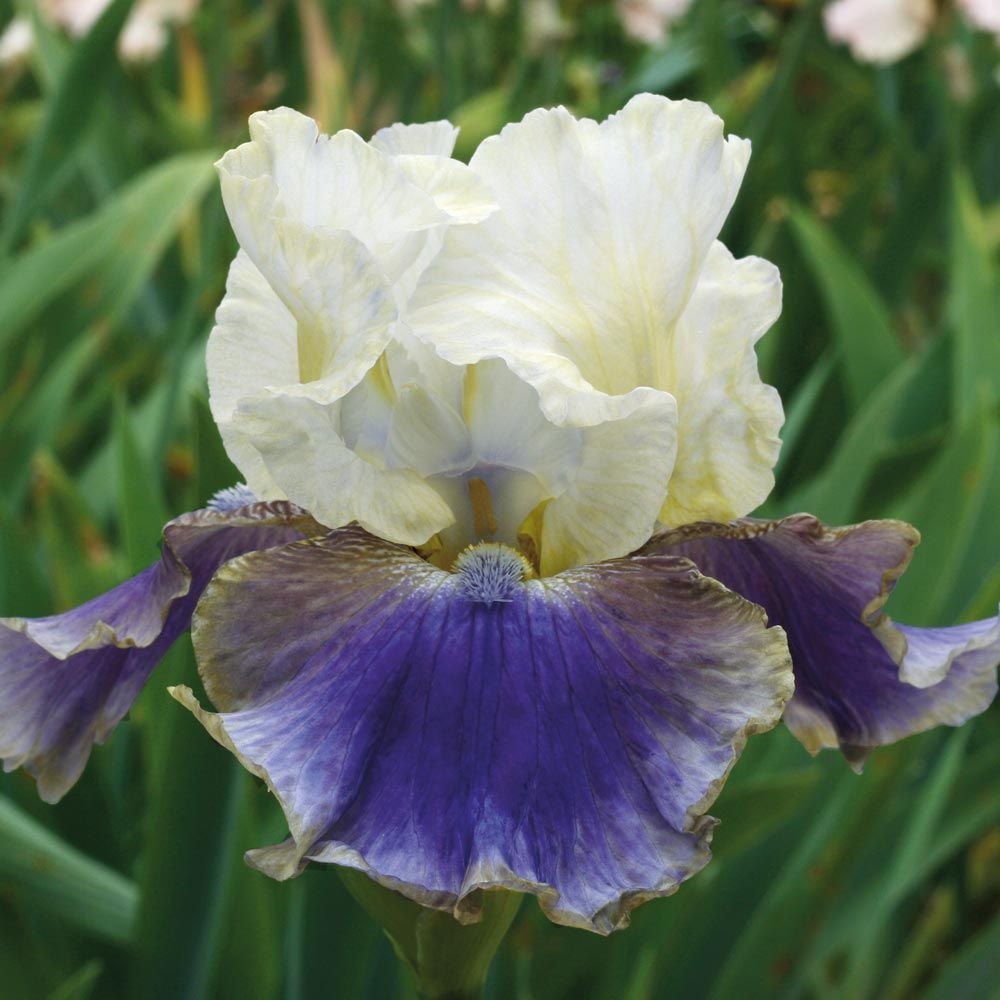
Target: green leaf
(869,919)
(835,493)
(68,115)
(23,588)
(81,985)
(974,304)
(945,507)
(79,562)
(973,971)
(36,423)
(116,247)
(141,509)
(866,339)
(752,810)
(190,838)
(800,409)
(41,871)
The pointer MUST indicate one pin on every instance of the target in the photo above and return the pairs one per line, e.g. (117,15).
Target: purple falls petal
(860,680)
(564,740)
(67,680)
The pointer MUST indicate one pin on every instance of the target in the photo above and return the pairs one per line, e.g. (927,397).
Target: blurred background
(873,186)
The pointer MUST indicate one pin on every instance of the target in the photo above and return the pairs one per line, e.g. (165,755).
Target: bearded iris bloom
(489,611)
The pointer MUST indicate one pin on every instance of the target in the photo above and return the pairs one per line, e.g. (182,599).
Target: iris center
(491,573)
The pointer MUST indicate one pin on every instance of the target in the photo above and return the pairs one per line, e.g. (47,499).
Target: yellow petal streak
(483,516)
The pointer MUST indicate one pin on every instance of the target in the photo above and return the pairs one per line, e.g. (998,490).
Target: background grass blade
(114,250)
(868,347)
(46,873)
(67,116)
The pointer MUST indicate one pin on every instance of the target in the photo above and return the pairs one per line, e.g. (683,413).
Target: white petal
(625,465)
(342,307)
(289,171)
(508,427)
(302,445)
(601,275)
(427,435)
(252,346)
(984,14)
(728,420)
(76,16)
(426,139)
(600,237)
(455,188)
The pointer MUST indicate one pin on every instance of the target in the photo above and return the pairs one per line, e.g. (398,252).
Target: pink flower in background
(141,40)
(884,31)
(879,31)
(984,14)
(650,20)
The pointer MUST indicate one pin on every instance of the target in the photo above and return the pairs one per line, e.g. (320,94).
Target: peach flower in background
(650,20)
(141,40)
(984,14)
(879,31)
(884,31)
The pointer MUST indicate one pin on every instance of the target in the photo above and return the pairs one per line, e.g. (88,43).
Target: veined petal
(598,244)
(290,171)
(727,419)
(253,364)
(455,188)
(252,346)
(301,443)
(67,680)
(932,652)
(565,740)
(422,139)
(855,672)
(610,507)
(340,308)
(600,283)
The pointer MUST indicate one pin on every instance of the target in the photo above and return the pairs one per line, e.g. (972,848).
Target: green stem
(447,960)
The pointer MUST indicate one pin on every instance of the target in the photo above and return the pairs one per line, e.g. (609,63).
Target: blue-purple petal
(860,680)
(565,740)
(67,680)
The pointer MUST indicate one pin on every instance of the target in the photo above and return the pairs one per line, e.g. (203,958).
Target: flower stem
(447,960)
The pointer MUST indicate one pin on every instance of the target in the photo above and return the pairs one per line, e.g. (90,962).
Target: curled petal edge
(310,842)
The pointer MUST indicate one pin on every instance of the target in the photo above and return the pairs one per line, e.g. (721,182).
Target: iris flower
(489,611)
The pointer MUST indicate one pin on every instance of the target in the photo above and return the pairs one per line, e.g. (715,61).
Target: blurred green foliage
(876,193)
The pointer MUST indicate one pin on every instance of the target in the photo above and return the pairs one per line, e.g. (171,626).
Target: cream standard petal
(600,237)
(423,139)
(728,420)
(328,281)
(301,443)
(288,439)
(252,346)
(332,224)
(336,182)
(603,481)
(601,275)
